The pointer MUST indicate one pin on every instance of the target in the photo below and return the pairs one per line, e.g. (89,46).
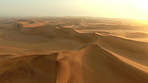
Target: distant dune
(46,51)
(137,35)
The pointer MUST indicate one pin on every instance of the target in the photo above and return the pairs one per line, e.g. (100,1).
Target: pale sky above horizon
(97,8)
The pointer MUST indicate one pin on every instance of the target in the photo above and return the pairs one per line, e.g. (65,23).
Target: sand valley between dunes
(72,50)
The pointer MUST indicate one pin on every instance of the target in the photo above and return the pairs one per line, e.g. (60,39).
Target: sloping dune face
(44,51)
(32,69)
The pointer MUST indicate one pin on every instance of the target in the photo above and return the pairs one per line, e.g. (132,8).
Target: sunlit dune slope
(50,53)
(90,64)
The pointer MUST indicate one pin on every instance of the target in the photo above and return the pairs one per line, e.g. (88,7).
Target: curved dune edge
(90,64)
(101,59)
(29,69)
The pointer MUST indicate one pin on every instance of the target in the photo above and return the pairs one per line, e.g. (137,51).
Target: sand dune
(90,64)
(137,35)
(34,51)
(30,69)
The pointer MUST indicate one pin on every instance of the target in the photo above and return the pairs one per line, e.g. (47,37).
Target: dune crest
(51,51)
(73,67)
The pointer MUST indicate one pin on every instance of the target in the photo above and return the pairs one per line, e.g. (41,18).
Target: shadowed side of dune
(136,35)
(124,44)
(46,33)
(133,50)
(110,60)
(90,64)
(29,69)
(100,66)
(94,64)
(70,67)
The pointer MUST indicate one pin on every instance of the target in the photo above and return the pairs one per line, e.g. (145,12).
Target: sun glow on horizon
(142,21)
(130,9)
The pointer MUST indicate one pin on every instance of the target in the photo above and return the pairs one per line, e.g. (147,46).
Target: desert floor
(73,50)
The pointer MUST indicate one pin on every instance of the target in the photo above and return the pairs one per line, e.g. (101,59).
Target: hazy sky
(97,8)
